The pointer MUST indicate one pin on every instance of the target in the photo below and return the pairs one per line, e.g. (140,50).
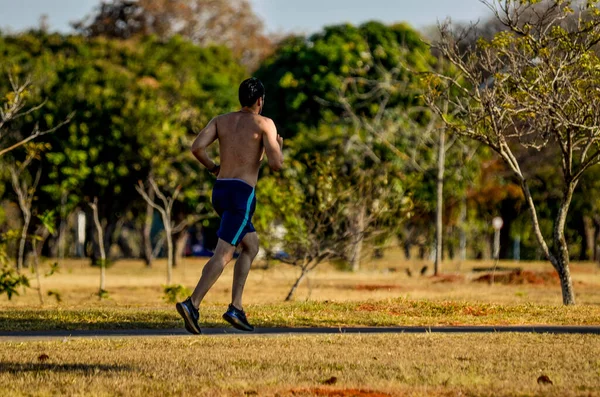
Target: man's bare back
(243,138)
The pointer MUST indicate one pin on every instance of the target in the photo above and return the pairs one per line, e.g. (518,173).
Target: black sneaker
(190,316)
(238,319)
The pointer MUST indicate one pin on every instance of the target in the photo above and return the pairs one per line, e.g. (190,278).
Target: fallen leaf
(330,381)
(544,380)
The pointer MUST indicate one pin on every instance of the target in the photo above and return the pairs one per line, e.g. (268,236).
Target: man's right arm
(207,136)
(273,144)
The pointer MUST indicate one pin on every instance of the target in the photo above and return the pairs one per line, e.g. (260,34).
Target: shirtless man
(244,137)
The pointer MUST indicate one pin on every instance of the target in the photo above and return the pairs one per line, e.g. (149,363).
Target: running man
(244,137)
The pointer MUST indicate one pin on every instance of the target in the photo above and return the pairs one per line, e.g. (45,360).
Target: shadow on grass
(35,322)
(15,368)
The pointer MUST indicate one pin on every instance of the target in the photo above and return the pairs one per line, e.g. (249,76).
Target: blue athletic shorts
(235,202)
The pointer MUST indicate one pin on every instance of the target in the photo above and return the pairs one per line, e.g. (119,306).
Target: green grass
(356,365)
(389,312)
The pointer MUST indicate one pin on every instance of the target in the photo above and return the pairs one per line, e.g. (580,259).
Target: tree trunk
(180,243)
(588,242)
(146,233)
(439,222)
(101,246)
(169,237)
(566,284)
(596,236)
(36,266)
(290,294)
(462,221)
(358,240)
(562,262)
(62,229)
(39,245)
(23,241)
(407,246)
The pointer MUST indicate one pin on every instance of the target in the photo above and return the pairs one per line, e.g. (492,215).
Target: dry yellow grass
(394,365)
(129,283)
(382,294)
(374,365)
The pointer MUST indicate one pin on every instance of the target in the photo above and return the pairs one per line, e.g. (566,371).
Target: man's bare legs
(242,268)
(212,271)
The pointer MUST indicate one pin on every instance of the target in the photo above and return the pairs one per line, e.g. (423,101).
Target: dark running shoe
(190,316)
(238,319)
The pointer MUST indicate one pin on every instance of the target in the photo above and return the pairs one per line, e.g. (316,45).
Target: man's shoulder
(265,120)
(224,116)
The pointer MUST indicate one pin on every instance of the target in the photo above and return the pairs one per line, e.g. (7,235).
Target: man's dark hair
(250,91)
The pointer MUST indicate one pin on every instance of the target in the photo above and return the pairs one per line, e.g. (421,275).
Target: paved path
(132,333)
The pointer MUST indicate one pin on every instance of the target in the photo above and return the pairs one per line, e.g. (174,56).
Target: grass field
(340,365)
(382,294)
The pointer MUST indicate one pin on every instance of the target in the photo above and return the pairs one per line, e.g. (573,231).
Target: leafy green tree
(135,103)
(306,73)
(352,78)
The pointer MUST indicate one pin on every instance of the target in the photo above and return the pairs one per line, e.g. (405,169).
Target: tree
(532,88)
(361,90)
(304,72)
(135,106)
(204,22)
(98,224)
(166,214)
(13,109)
(25,188)
(312,214)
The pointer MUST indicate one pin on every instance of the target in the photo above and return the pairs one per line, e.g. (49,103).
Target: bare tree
(533,87)
(15,108)
(146,233)
(165,212)
(99,230)
(25,189)
(318,234)
(439,206)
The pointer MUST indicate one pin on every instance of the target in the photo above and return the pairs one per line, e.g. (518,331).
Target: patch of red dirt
(519,277)
(376,287)
(448,278)
(338,392)
(477,311)
(369,307)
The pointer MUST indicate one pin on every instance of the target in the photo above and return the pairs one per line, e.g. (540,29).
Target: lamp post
(497,223)
(80,234)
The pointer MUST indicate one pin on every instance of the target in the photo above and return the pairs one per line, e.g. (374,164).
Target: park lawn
(129,283)
(389,312)
(316,365)
(382,294)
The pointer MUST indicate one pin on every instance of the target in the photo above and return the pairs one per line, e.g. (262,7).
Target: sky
(280,16)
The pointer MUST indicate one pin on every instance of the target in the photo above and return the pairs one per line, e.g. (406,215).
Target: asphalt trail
(25,336)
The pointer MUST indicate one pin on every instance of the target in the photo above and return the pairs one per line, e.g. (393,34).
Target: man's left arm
(207,136)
